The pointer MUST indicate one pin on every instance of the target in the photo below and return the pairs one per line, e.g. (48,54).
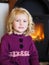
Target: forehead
(21,15)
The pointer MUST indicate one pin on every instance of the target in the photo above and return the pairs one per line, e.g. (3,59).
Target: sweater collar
(19,35)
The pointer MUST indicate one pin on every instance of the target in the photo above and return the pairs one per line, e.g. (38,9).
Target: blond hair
(16,11)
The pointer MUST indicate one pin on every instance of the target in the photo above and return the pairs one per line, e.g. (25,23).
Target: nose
(21,22)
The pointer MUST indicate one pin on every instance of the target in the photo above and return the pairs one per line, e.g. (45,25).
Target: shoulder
(30,38)
(5,37)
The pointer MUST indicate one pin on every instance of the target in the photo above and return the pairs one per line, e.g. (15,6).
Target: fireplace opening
(41,36)
(38,32)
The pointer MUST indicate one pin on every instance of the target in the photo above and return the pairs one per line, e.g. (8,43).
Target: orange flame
(39,32)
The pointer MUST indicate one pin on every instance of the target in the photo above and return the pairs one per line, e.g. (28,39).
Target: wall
(4,10)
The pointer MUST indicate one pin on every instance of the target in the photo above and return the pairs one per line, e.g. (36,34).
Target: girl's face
(20,23)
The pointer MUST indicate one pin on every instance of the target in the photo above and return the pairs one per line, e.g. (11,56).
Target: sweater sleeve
(5,60)
(34,58)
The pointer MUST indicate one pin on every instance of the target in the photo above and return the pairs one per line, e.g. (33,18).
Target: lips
(21,27)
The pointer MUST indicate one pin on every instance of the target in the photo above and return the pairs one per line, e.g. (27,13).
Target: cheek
(26,26)
(14,25)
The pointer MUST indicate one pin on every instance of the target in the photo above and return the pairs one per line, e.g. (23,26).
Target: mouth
(21,27)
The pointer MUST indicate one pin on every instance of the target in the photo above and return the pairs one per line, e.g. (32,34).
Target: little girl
(17,47)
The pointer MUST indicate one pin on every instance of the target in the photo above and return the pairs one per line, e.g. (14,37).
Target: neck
(18,33)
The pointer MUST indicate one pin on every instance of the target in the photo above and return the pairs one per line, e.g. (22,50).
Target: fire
(39,32)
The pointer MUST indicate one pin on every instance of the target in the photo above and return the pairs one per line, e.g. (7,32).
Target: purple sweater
(18,50)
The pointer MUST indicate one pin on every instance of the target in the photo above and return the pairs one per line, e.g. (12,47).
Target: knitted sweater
(18,50)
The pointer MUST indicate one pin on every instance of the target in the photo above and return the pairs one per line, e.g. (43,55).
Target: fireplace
(39,9)
(41,36)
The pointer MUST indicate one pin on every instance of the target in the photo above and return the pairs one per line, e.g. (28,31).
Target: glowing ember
(39,32)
